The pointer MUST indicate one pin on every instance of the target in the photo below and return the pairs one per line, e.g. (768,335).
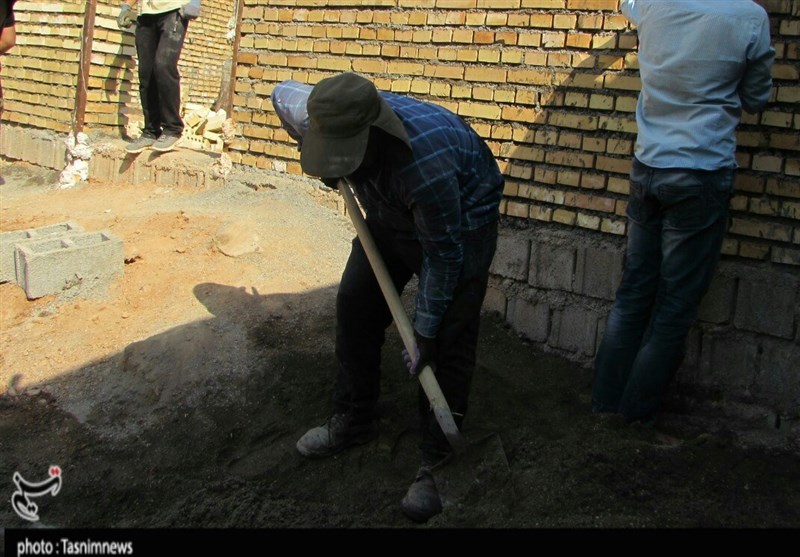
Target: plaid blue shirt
(449,185)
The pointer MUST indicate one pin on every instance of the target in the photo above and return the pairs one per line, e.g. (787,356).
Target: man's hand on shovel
(425,355)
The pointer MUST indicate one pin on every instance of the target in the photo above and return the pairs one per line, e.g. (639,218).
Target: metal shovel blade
(480,469)
(476,467)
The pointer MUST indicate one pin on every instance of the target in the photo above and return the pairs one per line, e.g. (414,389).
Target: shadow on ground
(195,427)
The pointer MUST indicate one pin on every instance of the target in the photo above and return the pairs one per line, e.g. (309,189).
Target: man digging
(431,191)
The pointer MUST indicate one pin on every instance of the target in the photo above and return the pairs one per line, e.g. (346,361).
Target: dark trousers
(677,219)
(362,318)
(159,40)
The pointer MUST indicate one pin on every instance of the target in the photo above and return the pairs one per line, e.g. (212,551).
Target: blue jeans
(159,41)
(677,219)
(362,317)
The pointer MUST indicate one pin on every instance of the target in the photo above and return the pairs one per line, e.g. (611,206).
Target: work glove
(190,11)
(126,17)
(425,355)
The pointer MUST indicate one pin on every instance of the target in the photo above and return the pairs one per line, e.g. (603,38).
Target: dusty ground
(174,398)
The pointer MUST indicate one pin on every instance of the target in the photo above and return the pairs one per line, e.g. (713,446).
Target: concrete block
(575,330)
(598,272)
(778,379)
(495,301)
(79,261)
(718,303)
(767,308)
(602,323)
(511,257)
(552,267)
(529,319)
(690,366)
(10,240)
(730,362)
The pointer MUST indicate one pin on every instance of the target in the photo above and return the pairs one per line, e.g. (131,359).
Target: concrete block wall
(33,145)
(555,288)
(180,168)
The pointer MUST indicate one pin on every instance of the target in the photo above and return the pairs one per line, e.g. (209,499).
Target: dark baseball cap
(341,111)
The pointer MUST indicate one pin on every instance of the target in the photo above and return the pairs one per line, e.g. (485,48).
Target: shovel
(477,466)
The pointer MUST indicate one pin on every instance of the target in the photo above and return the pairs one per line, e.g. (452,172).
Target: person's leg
(166,77)
(362,317)
(635,296)
(147,36)
(695,221)
(457,340)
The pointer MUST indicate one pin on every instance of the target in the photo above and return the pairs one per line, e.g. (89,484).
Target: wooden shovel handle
(427,379)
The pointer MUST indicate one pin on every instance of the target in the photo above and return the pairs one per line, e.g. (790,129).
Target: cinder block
(718,303)
(689,369)
(9,241)
(552,267)
(528,319)
(495,301)
(511,257)
(766,308)
(778,379)
(575,330)
(730,362)
(598,272)
(78,261)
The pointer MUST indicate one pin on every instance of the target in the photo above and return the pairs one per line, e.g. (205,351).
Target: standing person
(701,63)
(160,31)
(431,189)
(8,33)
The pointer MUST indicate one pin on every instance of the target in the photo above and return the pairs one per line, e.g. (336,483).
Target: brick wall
(552,86)
(40,74)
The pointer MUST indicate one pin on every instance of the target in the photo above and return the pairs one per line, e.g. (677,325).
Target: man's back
(701,62)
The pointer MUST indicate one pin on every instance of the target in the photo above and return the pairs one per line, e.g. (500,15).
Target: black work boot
(335,435)
(422,499)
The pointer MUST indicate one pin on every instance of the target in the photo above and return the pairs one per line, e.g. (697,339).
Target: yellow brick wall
(40,74)
(550,84)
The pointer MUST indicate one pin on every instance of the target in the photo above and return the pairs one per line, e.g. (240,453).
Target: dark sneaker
(165,142)
(422,500)
(139,145)
(335,435)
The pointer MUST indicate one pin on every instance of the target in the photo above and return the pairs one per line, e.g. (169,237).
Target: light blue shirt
(701,62)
